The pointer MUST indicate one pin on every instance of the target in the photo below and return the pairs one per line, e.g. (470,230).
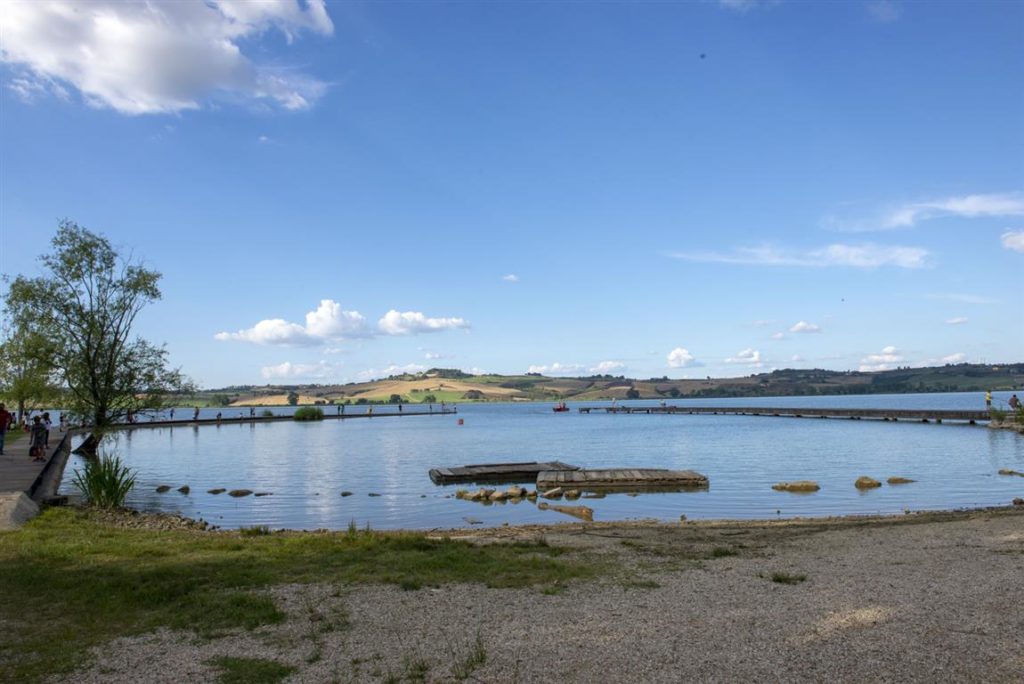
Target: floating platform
(498,472)
(621,478)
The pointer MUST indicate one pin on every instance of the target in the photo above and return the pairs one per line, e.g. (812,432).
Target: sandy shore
(929,597)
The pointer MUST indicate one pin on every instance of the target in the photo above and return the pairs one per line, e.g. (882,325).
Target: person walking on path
(39,435)
(5,418)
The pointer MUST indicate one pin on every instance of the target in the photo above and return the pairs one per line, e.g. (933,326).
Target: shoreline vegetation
(448,385)
(90,594)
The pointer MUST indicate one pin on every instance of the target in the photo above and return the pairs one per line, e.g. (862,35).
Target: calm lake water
(307,465)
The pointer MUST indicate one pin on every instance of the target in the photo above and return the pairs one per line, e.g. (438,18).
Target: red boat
(561,408)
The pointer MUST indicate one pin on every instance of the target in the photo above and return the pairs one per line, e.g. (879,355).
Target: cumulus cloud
(957,320)
(866,255)
(805,327)
(746,357)
(318,370)
(557,369)
(1013,239)
(607,367)
(414,322)
(967,206)
(510,278)
(886,360)
(153,58)
(330,323)
(681,358)
(958,357)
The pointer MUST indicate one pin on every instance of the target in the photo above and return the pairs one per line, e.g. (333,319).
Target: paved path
(18,472)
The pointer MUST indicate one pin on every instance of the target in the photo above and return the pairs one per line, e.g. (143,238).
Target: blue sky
(337,192)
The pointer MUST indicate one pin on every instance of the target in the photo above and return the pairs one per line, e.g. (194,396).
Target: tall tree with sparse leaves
(85,305)
(27,377)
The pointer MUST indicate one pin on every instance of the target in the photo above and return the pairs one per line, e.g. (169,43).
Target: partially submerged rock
(373,494)
(865,482)
(218,490)
(581,512)
(572,494)
(797,486)
(185,489)
(515,492)
(240,492)
(1007,471)
(346,493)
(899,480)
(555,493)
(263,494)
(163,488)
(498,496)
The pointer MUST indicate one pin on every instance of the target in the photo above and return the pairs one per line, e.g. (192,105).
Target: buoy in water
(461,422)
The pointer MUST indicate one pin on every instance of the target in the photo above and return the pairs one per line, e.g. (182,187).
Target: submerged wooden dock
(894,415)
(497,472)
(621,478)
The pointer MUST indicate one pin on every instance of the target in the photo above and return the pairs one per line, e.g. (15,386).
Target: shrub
(309,413)
(105,481)
(267,413)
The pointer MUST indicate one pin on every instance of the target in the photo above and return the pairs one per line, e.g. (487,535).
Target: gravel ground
(933,598)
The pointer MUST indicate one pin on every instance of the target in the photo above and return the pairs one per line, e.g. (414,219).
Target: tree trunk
(90,446)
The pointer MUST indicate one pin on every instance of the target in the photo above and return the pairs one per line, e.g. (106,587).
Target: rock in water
(263,494)
(163,488)
(797,486)
(899,480)
(240,492)
(865,482)
(346,493)
(572,494)
(555,493)
(515,492)
(219,490)
(184,489)
(581,512)
(498,496)
(1004,471)
(474,521)
(374,494)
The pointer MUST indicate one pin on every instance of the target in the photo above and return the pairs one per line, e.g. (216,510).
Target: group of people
(38,428)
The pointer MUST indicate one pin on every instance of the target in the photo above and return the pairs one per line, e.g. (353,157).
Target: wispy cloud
(510,278)
(805,327)
(886,360)
(557,369)
(157,58)
(867,255)
(1013,239)
(958,357)
(746,357)
(968,206)
(958,320)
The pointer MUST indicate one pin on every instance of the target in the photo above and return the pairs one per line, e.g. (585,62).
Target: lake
(306,466)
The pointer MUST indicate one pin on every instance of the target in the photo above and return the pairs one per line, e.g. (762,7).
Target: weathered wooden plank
(495,472)
(620,477)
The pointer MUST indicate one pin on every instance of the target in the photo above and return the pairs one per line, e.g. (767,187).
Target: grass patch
(250,670)
(83,582)
(307,413)
(255,531)
(723,552)
(468,664)
(786,578)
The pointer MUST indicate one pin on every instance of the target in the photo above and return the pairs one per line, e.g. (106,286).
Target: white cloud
(392,369)
(328,322)
(778,335)
(886,360)
(958,320)
(796,358)
(607,367)
(867,255)
(152,58)
(884,11)
(747,357)
(681,358)
(967,206)
(510,278)
(431,356)
(557,369)
(1013,239)
(288,369)
(414,322)
(805,327)
(959,357)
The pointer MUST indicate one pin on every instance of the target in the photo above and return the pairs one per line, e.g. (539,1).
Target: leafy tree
(673,392)
(220,400)
(26,370)
(632,393)
(395,399)
(293,398)
(429,399)
(85,305)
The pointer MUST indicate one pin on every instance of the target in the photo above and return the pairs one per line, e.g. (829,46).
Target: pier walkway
(894,415)
(224,420)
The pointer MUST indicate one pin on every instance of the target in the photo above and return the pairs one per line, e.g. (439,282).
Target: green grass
(68,583)
(250,670)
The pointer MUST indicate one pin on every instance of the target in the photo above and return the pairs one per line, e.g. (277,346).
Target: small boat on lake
(560,408)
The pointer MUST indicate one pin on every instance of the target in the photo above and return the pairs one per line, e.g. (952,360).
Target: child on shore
(38,436)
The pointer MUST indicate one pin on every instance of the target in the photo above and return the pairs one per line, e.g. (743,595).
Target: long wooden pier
(234,420)
(895,415)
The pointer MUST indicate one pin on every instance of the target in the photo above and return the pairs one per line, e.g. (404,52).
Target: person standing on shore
(38,437)
(988,399)
(5,418)
(1014,402)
